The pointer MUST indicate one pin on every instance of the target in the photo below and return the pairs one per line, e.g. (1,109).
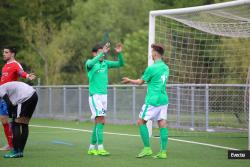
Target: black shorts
(27,108)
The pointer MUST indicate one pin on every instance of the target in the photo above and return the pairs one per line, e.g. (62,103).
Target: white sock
(100,147)
(91,147)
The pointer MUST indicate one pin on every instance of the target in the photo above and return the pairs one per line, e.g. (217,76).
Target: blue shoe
(13,154)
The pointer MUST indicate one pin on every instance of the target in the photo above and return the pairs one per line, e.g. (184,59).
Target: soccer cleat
(145,152)
(92,152)
(13,154)
(6,148)
(103,152)
(161,155)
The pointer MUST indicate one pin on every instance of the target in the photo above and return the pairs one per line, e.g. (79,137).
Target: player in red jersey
(11,71)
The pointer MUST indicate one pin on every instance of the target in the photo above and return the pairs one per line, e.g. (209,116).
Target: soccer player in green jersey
(156,101)
(97,69)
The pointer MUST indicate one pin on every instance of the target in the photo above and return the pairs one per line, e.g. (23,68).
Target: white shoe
(6,148)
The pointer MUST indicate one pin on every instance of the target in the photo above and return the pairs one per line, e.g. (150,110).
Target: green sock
(164,138)
(99,133)
(144,135)
(93,137)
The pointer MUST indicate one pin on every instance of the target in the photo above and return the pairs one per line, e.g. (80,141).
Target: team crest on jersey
(5,74)
(101,70)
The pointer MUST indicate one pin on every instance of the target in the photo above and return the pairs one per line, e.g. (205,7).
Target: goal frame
(151,36)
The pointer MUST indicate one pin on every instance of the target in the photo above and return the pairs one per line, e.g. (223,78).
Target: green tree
(136,54)
(184,3)
(40,28)
(10,13)
(47,49)
(236,59)
(91,20)
(56,37)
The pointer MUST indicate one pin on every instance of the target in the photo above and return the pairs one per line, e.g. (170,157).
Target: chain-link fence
(199,107)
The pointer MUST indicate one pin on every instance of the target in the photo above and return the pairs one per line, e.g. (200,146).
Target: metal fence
(200,107)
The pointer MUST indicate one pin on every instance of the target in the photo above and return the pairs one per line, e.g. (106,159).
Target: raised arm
(120,62)
(91,62)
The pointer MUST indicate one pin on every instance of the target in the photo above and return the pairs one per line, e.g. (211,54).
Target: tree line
(55,38)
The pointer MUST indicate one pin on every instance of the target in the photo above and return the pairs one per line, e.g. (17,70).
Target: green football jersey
(98,73)
(156,77)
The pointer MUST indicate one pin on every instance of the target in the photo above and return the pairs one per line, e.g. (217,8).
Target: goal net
(207,49)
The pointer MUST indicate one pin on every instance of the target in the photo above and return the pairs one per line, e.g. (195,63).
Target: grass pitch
(48,147)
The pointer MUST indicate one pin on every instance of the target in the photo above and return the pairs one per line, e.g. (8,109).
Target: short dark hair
(158,48)
(96,47)
(11,48)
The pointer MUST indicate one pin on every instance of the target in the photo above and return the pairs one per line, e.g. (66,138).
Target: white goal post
(226,23)
(153,14)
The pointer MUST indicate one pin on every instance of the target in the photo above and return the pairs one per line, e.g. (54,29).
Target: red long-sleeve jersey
(11,72)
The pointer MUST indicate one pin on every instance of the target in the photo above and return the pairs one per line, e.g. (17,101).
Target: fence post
(38,105)
(114,104)
(50,101)
(133,102)
(178,106)
(64,101)
(192,107)
(248,116)
(79,102)
(207,106)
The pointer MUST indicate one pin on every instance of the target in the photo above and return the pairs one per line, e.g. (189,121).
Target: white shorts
(98,105)
(149,112)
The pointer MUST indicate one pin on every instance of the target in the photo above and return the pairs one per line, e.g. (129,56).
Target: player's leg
(144,116)
(21,133)
(27,111)
(100,123)
(162,123)
(6,125)
(98,106)
(16,136)
(92,147)
(7,132)
(20,126)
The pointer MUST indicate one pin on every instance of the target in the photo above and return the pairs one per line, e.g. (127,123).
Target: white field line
(124,134)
